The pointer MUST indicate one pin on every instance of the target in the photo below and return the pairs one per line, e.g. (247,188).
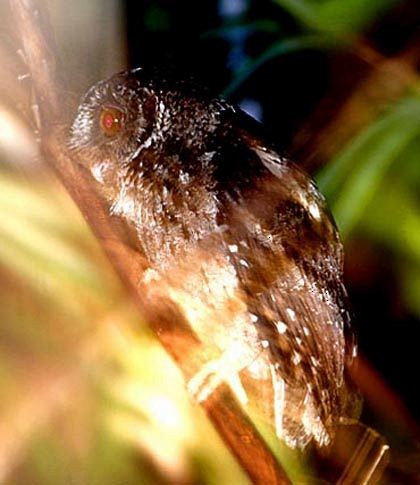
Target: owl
(236,236)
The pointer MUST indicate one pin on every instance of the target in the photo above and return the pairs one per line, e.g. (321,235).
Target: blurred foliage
(281,47)
(335,17)
(326,24)
(357,173)
(86,394)
(372,185)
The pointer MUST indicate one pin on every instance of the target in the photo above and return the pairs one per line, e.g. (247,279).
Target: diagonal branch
(233,425)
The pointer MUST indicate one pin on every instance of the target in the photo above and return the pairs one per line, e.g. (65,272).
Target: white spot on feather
(296,358)
(291,313)
(281,326)
(314,210)
(97,171)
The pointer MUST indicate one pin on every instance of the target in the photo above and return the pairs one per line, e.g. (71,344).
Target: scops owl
(238,237)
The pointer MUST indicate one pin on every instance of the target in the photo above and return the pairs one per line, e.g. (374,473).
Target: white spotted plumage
(237,237)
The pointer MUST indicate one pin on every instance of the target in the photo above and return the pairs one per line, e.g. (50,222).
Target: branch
(232,424)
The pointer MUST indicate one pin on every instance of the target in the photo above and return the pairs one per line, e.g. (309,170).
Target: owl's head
(121,117)
(114,119)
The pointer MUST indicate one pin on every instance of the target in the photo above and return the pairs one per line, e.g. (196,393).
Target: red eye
(111,120)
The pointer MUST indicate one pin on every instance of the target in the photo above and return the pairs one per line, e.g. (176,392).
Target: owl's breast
(171,213)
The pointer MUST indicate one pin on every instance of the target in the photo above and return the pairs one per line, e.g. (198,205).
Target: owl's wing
(290,267)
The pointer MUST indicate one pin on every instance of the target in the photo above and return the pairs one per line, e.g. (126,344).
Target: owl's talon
(210,377)
(200,387)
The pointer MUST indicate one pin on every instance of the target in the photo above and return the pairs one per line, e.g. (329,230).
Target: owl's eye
(111,120)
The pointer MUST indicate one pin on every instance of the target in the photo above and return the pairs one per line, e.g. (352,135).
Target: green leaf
(337,17)
(303,11)
(353,177)
(393,219)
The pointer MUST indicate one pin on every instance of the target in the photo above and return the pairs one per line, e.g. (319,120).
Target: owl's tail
(296,415)
(351,452)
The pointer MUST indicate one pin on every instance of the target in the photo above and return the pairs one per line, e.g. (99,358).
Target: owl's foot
(211,376)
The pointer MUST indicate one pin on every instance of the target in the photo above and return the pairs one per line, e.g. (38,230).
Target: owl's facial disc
(130,126)
(111,122)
